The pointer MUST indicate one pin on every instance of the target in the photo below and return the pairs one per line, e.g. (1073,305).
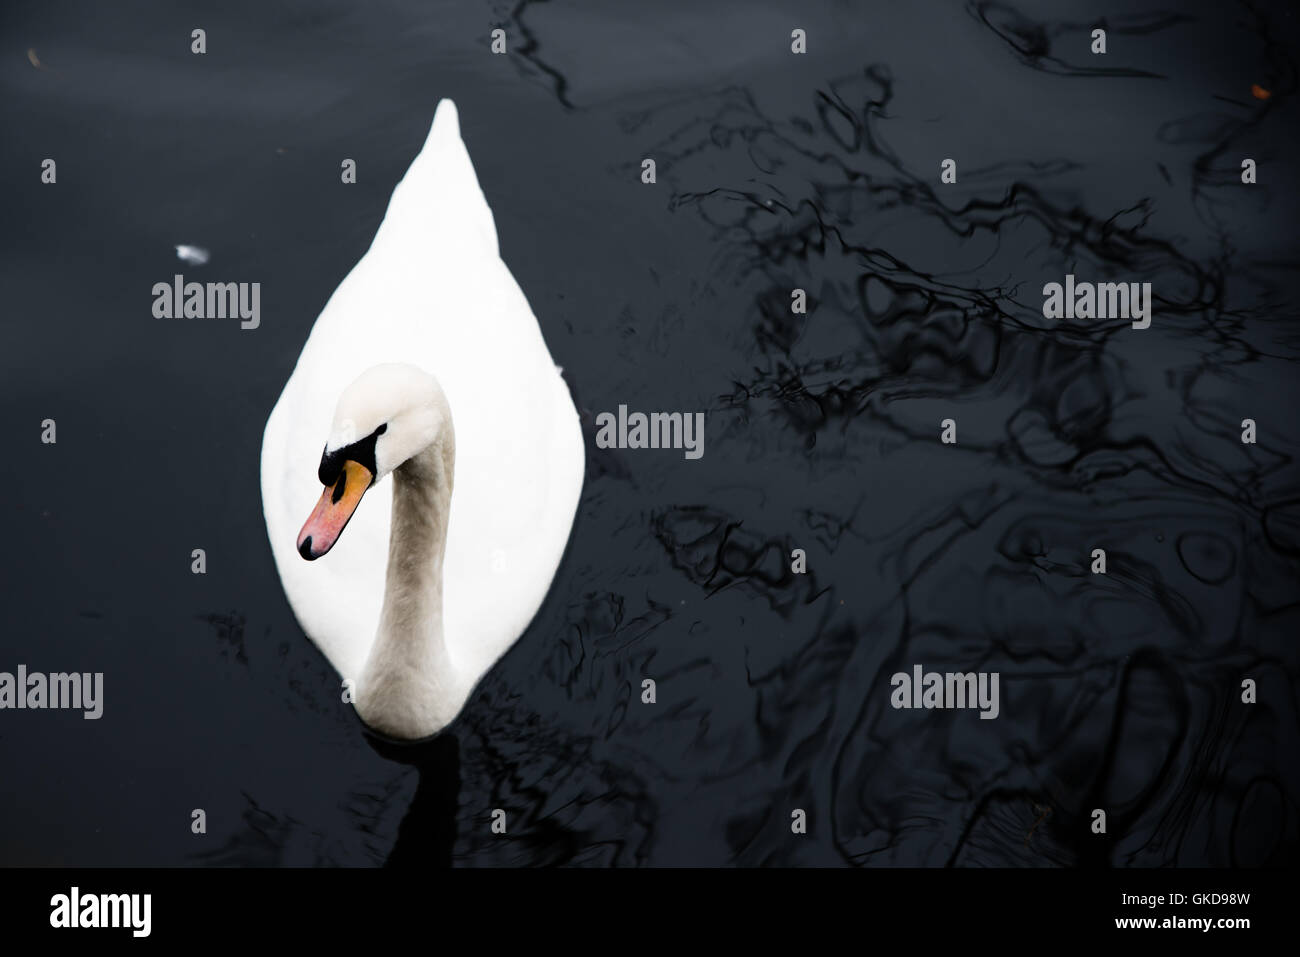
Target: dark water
(776,171)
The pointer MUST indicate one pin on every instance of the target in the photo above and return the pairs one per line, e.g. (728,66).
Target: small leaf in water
(1259,92)
(32,58)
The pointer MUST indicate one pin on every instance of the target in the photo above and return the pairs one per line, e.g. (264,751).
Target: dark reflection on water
(775,172)
(1033,42)
(428,831)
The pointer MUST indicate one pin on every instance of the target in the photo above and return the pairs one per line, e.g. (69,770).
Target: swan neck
(409,678)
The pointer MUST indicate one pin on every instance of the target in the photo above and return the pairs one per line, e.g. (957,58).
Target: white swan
(427,362)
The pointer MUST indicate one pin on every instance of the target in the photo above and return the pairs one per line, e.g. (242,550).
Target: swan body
(428,365)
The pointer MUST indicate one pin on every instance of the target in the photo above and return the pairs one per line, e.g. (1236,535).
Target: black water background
(775,171)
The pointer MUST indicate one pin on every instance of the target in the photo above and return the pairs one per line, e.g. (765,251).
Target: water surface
(775,171)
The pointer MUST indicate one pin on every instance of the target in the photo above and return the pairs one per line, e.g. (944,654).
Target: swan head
(388,415)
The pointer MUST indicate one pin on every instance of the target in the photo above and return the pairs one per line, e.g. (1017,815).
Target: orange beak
(333,511)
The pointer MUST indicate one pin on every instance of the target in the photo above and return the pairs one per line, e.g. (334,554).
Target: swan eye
(362,452)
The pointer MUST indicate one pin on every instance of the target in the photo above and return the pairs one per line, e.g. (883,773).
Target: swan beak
(333,511)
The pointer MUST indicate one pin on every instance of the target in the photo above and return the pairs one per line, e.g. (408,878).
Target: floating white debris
(194,255)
